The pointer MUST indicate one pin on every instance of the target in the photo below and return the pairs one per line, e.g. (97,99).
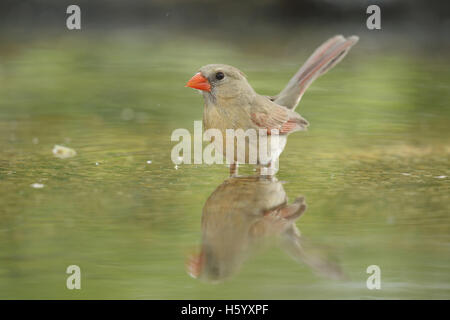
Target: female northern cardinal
(242,214)
(231,103)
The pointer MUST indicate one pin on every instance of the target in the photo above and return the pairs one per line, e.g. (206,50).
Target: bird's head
(220,80)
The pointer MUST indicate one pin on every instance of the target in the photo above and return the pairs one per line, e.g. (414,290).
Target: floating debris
(97,163)
(176,167)
(63,152)
(441,177)
(406,174)
(37,185)
(149,161)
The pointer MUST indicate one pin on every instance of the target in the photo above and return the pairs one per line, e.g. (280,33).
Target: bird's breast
(246,148)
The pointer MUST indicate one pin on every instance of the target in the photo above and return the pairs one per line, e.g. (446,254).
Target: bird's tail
(330,53)
(304,252)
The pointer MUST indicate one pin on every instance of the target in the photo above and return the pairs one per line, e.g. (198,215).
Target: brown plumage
(231,103)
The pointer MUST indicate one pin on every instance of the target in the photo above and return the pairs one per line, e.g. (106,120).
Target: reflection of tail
(302,252)
(323,59)
(281,220)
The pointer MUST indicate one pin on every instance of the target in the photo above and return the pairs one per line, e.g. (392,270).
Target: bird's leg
(234,169)
(263,170)
(274,165)
(270,169)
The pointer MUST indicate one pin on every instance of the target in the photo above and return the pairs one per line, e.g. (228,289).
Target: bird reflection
(241,215)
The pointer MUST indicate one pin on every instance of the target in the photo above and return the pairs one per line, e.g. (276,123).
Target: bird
(230,102)
(240,217)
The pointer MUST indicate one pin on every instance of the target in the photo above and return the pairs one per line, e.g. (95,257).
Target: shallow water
(373,168)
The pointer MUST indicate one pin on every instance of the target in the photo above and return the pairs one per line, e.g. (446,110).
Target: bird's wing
(268,115)
(277,220)
(330,53)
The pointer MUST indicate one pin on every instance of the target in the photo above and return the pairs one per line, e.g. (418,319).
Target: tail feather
(323,59)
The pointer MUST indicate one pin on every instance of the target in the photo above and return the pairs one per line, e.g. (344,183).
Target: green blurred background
(373,166)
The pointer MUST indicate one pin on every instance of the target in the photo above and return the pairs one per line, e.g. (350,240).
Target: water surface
(373,168)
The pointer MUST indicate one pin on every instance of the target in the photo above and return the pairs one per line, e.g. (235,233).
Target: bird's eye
(219,75)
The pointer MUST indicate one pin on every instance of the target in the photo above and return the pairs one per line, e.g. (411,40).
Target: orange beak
(198,81)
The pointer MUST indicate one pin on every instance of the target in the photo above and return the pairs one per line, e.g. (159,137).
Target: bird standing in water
(231,103)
